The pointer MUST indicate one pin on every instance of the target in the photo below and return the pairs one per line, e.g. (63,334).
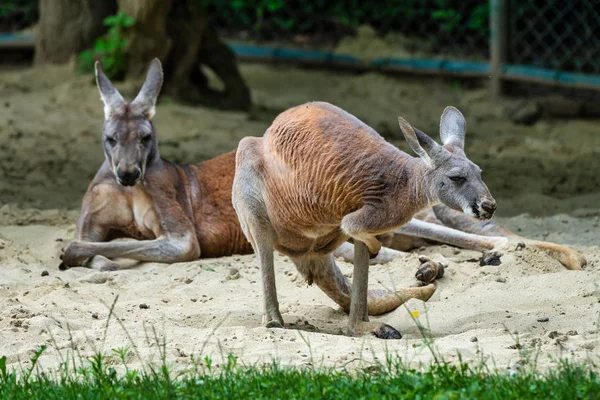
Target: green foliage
(110,48)
(447,22)
(100,380)
(17,14)
(3,374)
(266,18)
(453,20)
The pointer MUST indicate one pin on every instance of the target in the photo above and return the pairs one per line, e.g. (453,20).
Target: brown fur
(320,187)
(319,176)
(196,195)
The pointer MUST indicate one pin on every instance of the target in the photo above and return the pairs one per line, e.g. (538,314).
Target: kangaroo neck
(413,183)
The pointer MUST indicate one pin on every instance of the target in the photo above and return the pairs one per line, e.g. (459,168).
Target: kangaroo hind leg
(248,202)
(569,258)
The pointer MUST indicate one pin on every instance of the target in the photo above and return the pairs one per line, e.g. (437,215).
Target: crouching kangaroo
(320,176)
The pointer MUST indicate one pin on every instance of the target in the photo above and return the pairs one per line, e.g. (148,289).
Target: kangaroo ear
(146,98)
(423,145)
(453,128)
(110,96)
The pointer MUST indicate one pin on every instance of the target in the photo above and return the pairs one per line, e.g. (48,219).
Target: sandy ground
(545,178)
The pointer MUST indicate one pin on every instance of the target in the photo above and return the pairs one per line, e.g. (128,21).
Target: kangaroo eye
(146,139)
(457,178)
(111,141)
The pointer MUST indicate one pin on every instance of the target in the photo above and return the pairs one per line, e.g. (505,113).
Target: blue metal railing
(415,65)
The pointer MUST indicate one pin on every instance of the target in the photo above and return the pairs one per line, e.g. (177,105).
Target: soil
(544,177)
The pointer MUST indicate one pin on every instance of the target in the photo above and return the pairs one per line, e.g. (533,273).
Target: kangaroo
(179,213)
(175,212)
(320,176)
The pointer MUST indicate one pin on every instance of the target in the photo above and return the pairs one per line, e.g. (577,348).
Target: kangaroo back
(323,163)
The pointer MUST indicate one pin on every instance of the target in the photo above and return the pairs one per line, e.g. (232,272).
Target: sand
(544,177)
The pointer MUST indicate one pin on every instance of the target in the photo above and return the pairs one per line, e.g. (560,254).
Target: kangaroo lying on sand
(181,213)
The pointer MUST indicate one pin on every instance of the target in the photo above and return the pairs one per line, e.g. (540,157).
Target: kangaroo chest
(144,214)
(136,214)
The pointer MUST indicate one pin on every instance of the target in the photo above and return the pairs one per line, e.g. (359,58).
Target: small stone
(501,279)
(234,274)
(95,315)
(194,300)
(543,319)
(553,334)
(572,333)
(474,339)
(188,281)
(45,273)
(144,306)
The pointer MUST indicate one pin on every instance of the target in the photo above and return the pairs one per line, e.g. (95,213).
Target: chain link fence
(555,41)
(555,34)
(552,36)
(436,28)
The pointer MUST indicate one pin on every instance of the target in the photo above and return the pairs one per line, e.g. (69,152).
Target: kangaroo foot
(382,301)
(377,329)
(569,258)
(274,324)
(273,320)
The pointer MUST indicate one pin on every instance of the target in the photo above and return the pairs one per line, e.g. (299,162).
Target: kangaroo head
(128,135)
(453,179)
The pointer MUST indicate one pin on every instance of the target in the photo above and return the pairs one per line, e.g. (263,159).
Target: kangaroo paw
(429,270)
(490,258)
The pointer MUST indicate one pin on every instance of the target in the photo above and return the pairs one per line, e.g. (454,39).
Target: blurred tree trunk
(196,43)
(67,27)
(175,31)
(148,38)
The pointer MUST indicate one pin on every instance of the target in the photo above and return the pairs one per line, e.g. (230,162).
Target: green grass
(99,380)
(96,377)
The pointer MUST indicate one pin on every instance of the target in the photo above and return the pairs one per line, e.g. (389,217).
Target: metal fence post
(498,38)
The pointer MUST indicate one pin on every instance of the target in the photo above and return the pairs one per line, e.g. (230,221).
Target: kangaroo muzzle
(129,176)
(484,209)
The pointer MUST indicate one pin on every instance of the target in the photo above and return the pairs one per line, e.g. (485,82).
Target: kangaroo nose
(128,178)
(489,206)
